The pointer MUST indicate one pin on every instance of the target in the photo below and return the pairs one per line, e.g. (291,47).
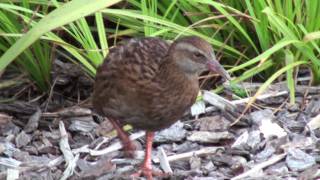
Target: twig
(50,94)
(222,103)
(261,97)
(55,162)
(187,155)
(74,111)
(260,166)
(104,140)
(114,147)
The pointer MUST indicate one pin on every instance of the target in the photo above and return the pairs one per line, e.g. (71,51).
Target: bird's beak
(215,66)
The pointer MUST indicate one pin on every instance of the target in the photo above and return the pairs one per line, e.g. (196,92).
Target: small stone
(254,139)
(179,165)
(198,108)
(57,174)
(278,169)
(33,150)
(209,137)
(217,175)
(9,129)
(265,154)
(21,156)
(314,123)
(248,141)
(104,128)
(90,170)
(4,119)
(238,164)
(22,139)
(174,133)
(222,160)
(259,116)
(241,141)
(313,108)
(180,174)
(271,129)
(12,173)
(195,163)
(213,123)
(297,160)
(209,167)
(185,147)
(293,107)
(52,135)
(310,173)
(239,160)
(296,126)
(299,140)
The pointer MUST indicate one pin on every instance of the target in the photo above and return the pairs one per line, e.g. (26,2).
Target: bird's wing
(136,61)
(128,68)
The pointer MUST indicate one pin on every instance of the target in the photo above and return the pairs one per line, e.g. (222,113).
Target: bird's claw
(129,149)
(148,173)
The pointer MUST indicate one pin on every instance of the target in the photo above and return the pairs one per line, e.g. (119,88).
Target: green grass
(257,39)
(36,60)
(39,67)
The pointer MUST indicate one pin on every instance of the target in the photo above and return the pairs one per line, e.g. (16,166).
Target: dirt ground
(58,136)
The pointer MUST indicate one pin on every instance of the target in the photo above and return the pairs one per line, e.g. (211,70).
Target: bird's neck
(177,86)
(172,75)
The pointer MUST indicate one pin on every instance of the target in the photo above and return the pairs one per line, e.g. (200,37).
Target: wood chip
(185,156)
(209,137)
(33,122)
(314,123)
(12,174)
(164,163)
(22,139)
(260,166)
(71,160)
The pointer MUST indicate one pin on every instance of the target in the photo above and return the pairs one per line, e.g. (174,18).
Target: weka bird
(150,84)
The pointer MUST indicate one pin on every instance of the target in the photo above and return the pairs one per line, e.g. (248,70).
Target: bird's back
(135,60)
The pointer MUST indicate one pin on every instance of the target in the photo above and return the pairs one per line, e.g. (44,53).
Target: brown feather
(141,84)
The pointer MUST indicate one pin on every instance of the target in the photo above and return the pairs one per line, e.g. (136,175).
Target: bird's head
(195,55)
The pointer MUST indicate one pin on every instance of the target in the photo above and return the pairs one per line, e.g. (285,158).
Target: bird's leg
(147,158)
(146,168)
(127,144)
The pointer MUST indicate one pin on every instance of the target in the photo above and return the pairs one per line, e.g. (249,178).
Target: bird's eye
(198,55)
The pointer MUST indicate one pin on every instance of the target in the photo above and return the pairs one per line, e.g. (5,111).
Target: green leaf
(67,13)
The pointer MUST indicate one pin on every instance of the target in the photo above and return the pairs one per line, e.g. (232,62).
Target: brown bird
(150,84)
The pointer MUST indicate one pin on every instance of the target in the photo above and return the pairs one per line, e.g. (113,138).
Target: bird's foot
(129,149)
(148,173)
(128,146)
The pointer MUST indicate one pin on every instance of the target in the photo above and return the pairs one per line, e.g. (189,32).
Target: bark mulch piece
(57,136)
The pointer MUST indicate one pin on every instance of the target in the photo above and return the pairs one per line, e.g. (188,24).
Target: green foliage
(36,59)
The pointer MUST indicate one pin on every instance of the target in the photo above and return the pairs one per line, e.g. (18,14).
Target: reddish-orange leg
(146,168)
(128,146)
(146,165)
